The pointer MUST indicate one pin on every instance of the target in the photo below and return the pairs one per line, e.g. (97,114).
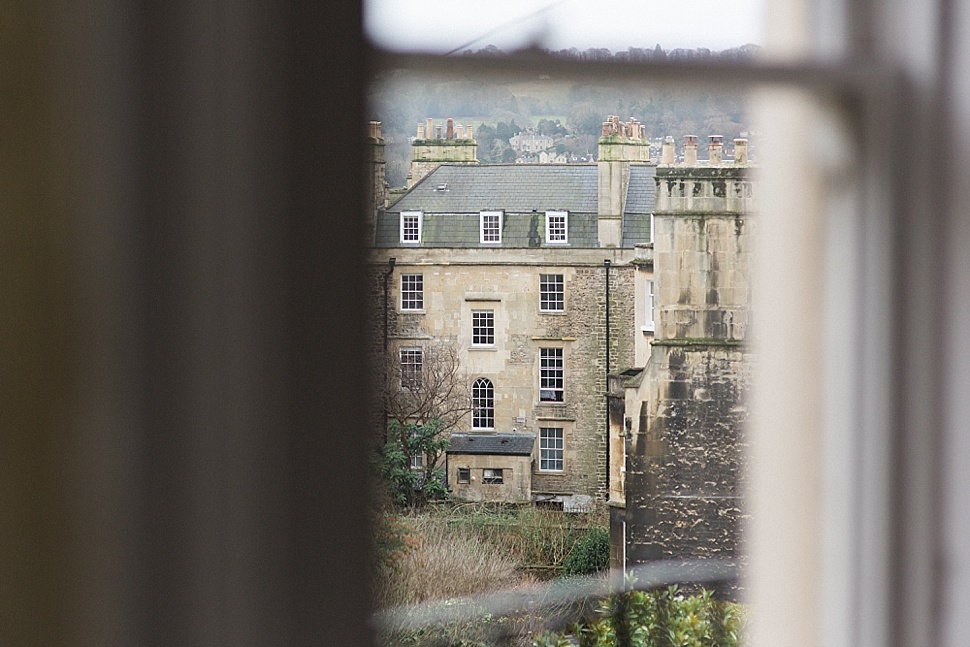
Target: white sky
(444,25)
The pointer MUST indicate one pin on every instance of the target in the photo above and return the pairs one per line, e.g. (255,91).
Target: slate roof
(516,188)
(452,196)
(492,444)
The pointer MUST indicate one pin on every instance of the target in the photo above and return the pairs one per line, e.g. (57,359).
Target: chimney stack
(690,149)
(716,149)
(667,151)
(450,128)
(741,151)
(374,130)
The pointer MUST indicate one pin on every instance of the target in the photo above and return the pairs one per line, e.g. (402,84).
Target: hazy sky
(444,25)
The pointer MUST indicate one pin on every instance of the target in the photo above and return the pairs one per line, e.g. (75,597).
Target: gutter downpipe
(606,268)
(387,278)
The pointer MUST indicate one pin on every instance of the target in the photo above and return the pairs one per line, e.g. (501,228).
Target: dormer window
(411,227)
(491,227)
(557,227)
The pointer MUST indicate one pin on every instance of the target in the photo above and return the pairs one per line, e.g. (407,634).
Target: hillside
(403,98)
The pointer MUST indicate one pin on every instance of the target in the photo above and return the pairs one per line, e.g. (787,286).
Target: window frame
(483,328)
(561,459)
(463,475)
(552,370)
(543,293)
(482,217)
(497,476)
(484,402)
(405,305)
(557,213)
(650,298)
(419,217)
(411,378)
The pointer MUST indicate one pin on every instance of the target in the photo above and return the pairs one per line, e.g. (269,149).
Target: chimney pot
(740,151)
(716,149)
(690,149)
(468,132)
(450,128)
(459,131)
(437,131)
(429,128)
(667,151)
(420,131)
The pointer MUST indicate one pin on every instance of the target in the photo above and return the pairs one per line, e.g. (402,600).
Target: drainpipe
(606,268)
(387,278)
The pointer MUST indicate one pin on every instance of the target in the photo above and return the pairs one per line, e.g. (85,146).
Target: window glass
(550,375)
(411,368)
(550,449)
(492,476)
(483,404)
(483,327)
(412,292)
(410,226)
(491,227)
(556,227)
(551,293)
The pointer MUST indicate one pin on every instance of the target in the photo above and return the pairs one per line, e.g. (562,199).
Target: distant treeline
(733,54)
(570,111)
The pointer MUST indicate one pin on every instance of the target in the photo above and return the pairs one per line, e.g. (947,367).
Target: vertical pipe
(606,272)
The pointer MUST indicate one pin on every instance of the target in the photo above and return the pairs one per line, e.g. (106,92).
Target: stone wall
(456,283)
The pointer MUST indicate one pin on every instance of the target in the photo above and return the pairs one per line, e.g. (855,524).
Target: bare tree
(425,383)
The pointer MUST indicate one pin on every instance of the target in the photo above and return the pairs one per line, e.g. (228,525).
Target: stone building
(530,272)
(676,422)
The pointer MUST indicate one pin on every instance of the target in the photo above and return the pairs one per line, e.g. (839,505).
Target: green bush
(590,553)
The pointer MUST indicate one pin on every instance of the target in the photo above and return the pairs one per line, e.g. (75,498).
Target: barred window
(412,292)
(550,449)
(483,327)
(550,375)
(411,368)
(483,404)
(551,293)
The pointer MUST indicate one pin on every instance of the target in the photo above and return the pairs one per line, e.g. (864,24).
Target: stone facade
(435,232)
(681,416)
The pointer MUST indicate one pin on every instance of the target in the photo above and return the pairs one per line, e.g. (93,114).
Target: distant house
(531,142)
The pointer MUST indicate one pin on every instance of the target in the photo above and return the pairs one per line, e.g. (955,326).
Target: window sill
(556,313)
(485,348)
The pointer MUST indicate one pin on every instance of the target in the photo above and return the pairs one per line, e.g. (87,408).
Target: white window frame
(409,304)
(404,230)
(417,462)
(564,240)
(544,280)
(412,372)
(649,321)
(483,328)
(551,449)
(494,234)
(552,371)
(483,404)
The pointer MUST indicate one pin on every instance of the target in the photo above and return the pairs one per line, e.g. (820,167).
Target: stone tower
(685,457)
(433,147)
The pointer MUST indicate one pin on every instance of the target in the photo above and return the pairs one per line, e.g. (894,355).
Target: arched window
(483,404)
